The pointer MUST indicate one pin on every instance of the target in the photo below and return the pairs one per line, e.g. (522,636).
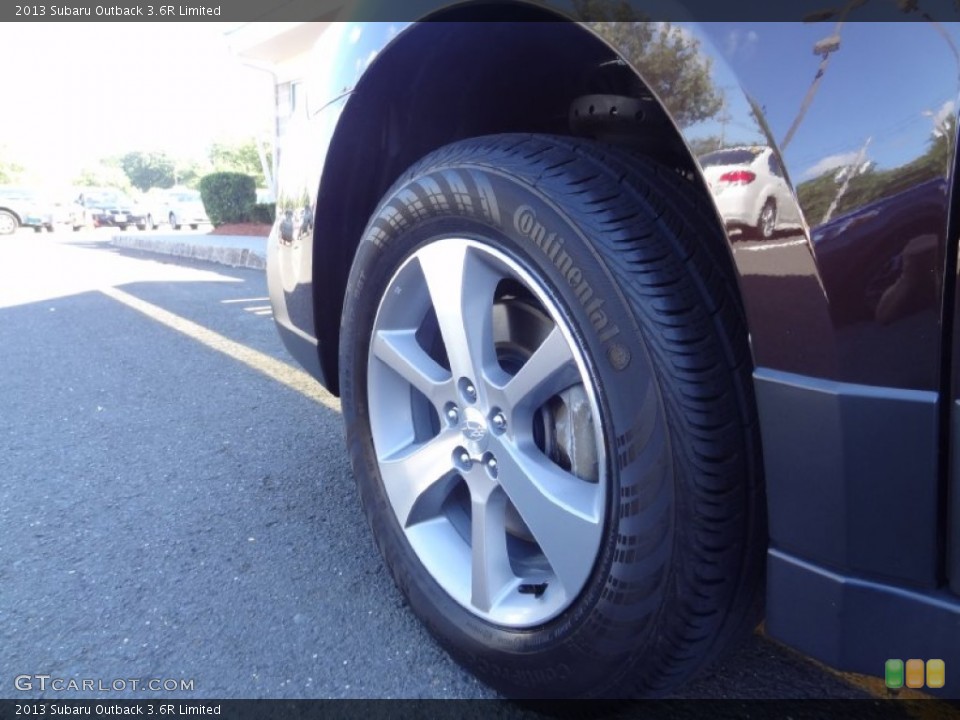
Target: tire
(767,221)
(8,223)
(174,225)
(122,228)
(194,226)
(38,228)
(598,354)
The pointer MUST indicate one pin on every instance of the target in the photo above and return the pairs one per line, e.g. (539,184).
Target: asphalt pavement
(176,501)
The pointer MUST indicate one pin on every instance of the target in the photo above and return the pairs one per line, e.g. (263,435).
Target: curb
(224,255)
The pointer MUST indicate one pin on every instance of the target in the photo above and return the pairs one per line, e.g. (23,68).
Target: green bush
(265,213)
(228,197)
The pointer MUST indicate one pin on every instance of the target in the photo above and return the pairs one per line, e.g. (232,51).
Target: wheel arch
(13,212)
(410,101)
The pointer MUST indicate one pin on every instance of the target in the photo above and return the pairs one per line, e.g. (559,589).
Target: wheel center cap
(475,431)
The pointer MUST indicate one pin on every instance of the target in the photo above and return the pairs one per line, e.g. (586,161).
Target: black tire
(194,226)
(38,228)
(644,280)
(174,225)
(122,228)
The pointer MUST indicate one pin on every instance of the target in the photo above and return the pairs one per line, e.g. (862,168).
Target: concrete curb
(225,251)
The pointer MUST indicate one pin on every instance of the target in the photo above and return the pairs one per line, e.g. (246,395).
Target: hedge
(228,197)
(265,213)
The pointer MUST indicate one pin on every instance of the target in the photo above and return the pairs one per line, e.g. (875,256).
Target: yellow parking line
(288,375)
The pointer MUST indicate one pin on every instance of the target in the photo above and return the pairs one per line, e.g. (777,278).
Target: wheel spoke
(461,289)
(417,480)
(550,370)
(563,513)
(491,572)
(400,351)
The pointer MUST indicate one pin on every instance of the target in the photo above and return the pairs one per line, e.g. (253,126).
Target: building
(280,49)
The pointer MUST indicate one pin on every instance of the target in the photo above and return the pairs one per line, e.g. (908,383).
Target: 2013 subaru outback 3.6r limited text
(597,424)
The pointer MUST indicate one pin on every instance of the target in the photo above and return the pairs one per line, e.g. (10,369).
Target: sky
(77,92)
(887,82)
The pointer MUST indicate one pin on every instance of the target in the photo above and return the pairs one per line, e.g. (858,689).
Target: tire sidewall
(510,214)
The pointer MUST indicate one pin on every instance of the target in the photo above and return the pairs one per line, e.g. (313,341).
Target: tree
(668,57)
(242,157)
(103,175)
(10,170)
(703,145)
(148,169)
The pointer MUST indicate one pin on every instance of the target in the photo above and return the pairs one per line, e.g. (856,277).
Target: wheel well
(12,212)
(440,82)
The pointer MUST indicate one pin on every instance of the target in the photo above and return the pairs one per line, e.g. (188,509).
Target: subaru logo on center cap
(474,429)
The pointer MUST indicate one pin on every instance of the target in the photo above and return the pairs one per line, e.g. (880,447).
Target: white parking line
(292,377)
(772,246)
(243,300)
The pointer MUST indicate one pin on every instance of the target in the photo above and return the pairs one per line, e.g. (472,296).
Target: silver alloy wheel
(487,432)
(768,219)
(8,223)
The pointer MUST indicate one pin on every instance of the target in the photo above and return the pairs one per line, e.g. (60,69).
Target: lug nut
(453,416)
(499,422)
(465,459)
(468,391)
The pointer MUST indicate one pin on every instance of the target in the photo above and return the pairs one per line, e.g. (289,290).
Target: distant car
(22,207)
(749,188)
(106,207)
(177,207)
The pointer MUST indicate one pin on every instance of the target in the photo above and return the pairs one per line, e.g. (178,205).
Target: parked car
(593,431)
(106,207)
(23,207)
(176,207)
(749,189)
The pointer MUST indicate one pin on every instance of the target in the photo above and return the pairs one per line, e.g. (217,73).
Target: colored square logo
(915,673)
(893,674)
(936,673)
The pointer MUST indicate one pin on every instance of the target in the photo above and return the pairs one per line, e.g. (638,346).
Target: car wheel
(173,222)
(122,228)
(546,383)
(8,223)
(767,223)
(194,226)
(38,228)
